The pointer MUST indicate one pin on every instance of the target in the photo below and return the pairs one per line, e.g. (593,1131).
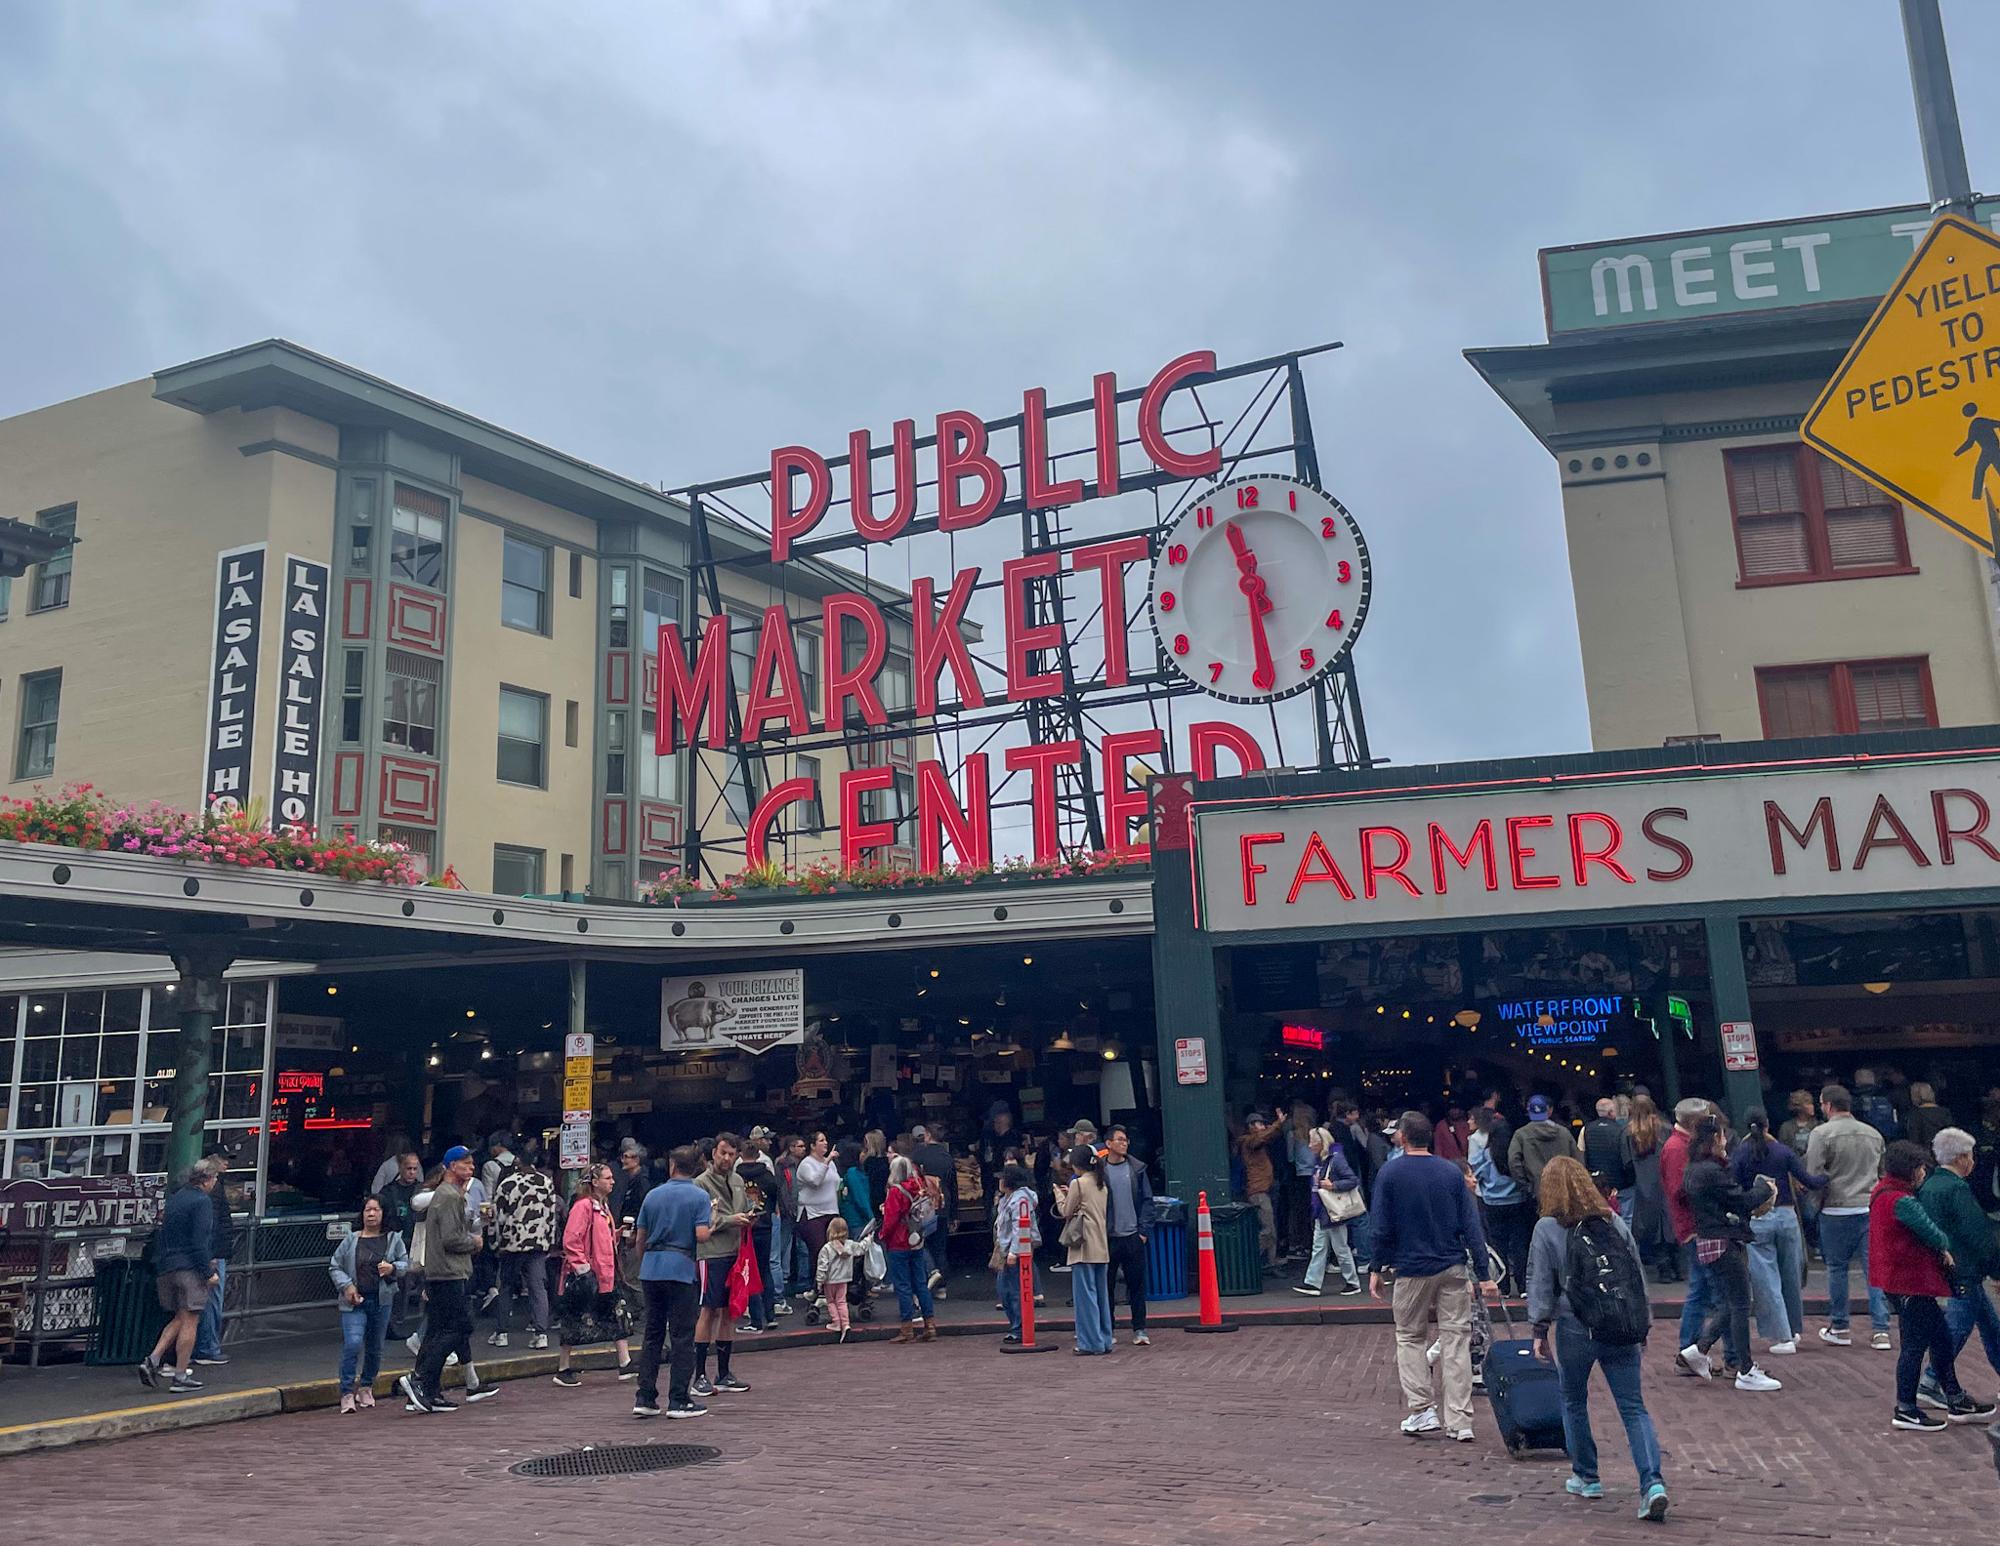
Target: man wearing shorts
(713,1259)
(184,1260)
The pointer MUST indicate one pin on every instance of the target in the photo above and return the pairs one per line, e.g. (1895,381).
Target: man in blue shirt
(1427,1231)
(673,1220)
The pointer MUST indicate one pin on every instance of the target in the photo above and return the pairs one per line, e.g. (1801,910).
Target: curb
(129,1422)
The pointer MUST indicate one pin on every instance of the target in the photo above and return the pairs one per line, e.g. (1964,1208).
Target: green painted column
(1730,988)
(1185,1005)
(200,1002)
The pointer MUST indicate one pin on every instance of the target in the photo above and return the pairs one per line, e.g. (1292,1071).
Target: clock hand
(1251,583)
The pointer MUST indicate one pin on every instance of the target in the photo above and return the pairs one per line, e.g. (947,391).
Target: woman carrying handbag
(1336,1201)
(588,1308)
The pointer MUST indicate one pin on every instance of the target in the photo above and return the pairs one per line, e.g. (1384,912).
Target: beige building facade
(487,612)
(1730,583)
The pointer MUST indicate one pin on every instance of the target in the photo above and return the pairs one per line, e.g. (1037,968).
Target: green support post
(1742,1091)
(199,1002)
(1185,1005)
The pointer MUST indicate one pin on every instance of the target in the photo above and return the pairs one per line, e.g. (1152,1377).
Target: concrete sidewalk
(70,1403)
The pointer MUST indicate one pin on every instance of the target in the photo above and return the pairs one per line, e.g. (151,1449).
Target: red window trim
(1814,507)
(1842,685)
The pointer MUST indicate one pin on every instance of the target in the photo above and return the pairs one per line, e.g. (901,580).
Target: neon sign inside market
(1565,1022)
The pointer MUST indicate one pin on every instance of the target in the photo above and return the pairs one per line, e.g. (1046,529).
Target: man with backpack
(1608,1157)
(1587,1299)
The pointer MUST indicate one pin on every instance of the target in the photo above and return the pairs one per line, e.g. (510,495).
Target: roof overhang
(23,545)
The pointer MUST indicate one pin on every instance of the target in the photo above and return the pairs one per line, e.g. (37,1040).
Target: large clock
(1259,588)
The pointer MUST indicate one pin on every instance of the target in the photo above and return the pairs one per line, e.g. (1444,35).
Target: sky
(667,238)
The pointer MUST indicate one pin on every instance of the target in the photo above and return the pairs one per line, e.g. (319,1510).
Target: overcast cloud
(668,237)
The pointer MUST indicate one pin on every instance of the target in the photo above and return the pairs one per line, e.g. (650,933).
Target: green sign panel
(1735,269)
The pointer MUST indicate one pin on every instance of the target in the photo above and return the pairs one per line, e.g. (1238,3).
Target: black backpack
(1604,1286)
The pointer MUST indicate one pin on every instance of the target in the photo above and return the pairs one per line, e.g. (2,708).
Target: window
(52,578)
(524,732)
(807,645)
(524,585)
(1799,516)
(614,753)
(41,700)
(571,714)
(568,867)
(353,698)
(6,593)
(517,871)
(742,652)
(416,538)
(739,803)
(660,603)
(421,843)
(808,767)
(410,701)
(360,524)
(619,627)
(576,577)
(1856,697)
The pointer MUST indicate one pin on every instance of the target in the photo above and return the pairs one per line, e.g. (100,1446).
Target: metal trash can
(1239,1266)
(125,1312)
(1167,1251)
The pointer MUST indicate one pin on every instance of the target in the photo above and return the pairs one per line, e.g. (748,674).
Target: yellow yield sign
(1915,406)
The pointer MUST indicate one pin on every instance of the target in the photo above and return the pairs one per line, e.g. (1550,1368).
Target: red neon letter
(787,523)
(1581,855)
(1519,853)
(1122,804)
(858,836)
(1821,818)
(938,637)
(1481,842)
(1041,762)
(1104,397)
(1884,814)
(793,791)
(1036,489)
(1251,841)
(787,698)
(1684,855)
(1152,431)
(1205,735)
(961,451)
(1394,869)
(1015,575)
(1109,560)
(1328,870)
(861,482)
(859,683)
(697,696)
(938,811)
(1947,834)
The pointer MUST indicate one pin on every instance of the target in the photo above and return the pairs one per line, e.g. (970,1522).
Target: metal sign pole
(1937,109)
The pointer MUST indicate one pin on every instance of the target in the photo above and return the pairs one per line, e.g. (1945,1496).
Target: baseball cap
(455,1153)
(762,1132)
(1538,1106)
(921,1133)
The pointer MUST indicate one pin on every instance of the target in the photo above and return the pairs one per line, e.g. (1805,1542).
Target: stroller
(872,1274)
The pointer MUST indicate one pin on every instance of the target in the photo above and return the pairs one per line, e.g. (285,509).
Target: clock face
(1259,588)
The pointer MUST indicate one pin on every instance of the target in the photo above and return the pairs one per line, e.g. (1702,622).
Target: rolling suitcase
(1526,1393)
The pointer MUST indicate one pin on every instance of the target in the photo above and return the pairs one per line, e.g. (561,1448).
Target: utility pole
(1937,109)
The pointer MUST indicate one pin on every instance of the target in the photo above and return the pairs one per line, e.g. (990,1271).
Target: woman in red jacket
(1907,1258)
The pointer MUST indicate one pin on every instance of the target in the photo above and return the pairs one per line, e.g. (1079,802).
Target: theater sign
(1842,827)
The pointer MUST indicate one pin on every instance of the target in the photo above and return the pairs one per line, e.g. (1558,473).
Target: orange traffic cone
(1211,1290)
(1023,1236)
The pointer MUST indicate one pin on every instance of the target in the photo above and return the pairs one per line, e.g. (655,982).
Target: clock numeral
(1204,517)
(1344,572)
(1246,497)
(1335,620)
(1166,601)
(1181,645)
(1329,527)
(1306,659)
(1214,672)
(1177,553)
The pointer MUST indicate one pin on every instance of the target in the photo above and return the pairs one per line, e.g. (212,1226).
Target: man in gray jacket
(1849,1154)
(1534,1144)
(451,1240)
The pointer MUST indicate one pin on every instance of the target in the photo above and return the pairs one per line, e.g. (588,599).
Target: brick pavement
(1274,1434)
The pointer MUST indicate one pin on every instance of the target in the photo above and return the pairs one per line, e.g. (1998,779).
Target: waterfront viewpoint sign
(1688,275)
(1592,844)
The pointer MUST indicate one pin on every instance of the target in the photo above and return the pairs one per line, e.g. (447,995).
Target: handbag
(1074,1231)
(418,1252)
(1342,1206)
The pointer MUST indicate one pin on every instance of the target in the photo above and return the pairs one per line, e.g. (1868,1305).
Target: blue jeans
(1700,1296)
(912,1282)
(1775,1258)
(208,1335)
(781,1257)
(1007,1283)
(361,1332)
(1576,1350)
(1971,1306)
(1843,1239)
(1090,1288)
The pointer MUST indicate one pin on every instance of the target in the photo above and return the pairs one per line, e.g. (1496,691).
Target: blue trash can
(1167,1251)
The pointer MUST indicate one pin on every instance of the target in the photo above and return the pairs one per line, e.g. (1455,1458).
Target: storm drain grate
(614,1460)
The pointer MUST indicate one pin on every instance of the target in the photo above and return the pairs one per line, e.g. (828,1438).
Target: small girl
(835,1271)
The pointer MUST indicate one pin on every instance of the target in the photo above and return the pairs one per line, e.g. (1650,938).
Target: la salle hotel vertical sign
(295,765)
(232,675)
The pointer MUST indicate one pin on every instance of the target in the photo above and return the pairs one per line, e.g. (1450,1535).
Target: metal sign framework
(1256,412)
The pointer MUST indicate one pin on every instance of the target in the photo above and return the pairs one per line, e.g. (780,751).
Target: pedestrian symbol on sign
(1983,436)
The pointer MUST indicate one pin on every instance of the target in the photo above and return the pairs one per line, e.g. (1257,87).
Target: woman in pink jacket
(588,1288)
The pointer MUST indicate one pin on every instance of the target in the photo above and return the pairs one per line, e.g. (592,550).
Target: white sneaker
(1836,1335)
(1695,1361)
(1789,1345)
(539,1339)
(1425,1421)
(1880,1342)
(1460,1435)
(1754,1378)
